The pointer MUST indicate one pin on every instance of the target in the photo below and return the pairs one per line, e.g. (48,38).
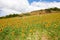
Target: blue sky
(21,6)
(30,1)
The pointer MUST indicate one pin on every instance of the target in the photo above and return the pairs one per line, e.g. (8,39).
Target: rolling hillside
(36,27)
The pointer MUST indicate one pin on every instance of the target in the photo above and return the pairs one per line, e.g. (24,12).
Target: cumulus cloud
(44,5)
(13,6)
(18,6)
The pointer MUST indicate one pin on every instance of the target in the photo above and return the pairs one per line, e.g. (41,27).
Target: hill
(35,27)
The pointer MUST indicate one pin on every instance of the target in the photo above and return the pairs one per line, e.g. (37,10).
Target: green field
(37,27)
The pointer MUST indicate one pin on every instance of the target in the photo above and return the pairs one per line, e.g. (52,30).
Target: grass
(38,27)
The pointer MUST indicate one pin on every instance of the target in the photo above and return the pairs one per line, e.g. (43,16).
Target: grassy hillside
(37,27)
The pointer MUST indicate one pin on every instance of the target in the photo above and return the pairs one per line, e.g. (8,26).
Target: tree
(47,10)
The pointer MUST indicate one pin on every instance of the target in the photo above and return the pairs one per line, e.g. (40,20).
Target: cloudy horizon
(19,6)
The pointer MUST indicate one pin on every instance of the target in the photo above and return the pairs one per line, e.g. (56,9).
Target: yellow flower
(13,33)
(55,26)
(47,25)
(31,30)
(0,30)
(23,34)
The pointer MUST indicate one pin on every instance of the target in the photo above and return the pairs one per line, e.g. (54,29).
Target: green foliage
(6,33)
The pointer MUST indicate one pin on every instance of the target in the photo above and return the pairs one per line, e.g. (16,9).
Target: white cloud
(43,5)
(18,6)
(13,6)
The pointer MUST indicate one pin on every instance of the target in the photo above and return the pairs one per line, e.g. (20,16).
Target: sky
(21,6)
(30,1)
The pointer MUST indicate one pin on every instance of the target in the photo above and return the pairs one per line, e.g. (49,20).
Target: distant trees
(52,9)
(12,15)
(47,10)
(15,15)
(55,9)
(9,16)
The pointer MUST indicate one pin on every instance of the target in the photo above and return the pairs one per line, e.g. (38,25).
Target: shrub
(48,10)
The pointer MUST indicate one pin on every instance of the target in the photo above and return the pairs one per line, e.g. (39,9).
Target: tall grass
(44,27)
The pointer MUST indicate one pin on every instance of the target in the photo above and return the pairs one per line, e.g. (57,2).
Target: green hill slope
(37,27)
